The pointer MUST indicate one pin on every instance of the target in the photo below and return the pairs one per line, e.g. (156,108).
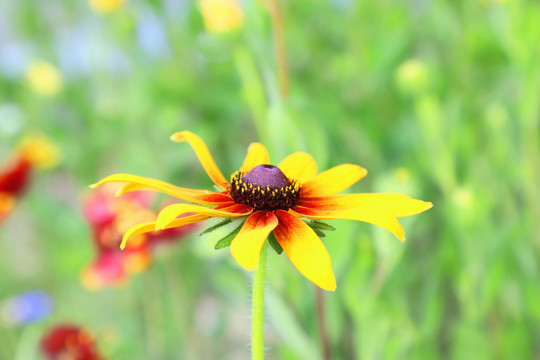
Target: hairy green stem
(257,308)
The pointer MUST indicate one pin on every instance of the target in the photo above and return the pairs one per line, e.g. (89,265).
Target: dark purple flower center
(266,175)
(264,187)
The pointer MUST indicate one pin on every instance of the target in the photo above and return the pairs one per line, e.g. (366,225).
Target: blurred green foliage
(437,99)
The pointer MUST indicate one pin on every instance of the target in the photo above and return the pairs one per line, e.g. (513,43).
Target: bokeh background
(437,99)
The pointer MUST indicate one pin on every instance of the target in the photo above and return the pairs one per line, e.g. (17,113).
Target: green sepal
(274,243)
(319,233)
(319,225)
(226,241)
(217,226)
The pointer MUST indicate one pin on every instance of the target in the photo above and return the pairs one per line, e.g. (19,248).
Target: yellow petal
(246,246)
(256,155)
(135,183)
(299,166)
(398,205)
(333,180)
(370,214)
(151,226)
(202,152)
(167,215)
(305,249)
(203,197)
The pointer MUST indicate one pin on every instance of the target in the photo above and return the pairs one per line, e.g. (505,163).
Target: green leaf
(319,233)
(217,226)
(319,225)
(274,243)
(226,241)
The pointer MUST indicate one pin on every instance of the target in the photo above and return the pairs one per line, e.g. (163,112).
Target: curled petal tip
(202,152)
(93,186)
(178,136)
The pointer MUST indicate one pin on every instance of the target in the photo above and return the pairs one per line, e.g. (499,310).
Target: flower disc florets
(264,187)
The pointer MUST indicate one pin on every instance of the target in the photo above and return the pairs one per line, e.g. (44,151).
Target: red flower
(14,178)
(110,216)
(69,342)
(16,174)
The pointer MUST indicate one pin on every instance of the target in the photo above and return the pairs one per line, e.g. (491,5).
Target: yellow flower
(105,6)
(273,199)
(44,78)
(463,197)
(40,152)
(221,15)
(402,175)
(412,77)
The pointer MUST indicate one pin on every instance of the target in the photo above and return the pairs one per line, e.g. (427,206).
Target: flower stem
(257,309)
(279,47)
(321,323)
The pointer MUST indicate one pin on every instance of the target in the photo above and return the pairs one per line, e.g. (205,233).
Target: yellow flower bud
(105,6)
(44,78)
(40,151)
(221,16)
(412,77)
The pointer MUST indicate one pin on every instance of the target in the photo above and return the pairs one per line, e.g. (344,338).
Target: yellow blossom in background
(40,151)
(402,175)
(463,197)
(44,78)
(221,15)
(105,6)
(412,76)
